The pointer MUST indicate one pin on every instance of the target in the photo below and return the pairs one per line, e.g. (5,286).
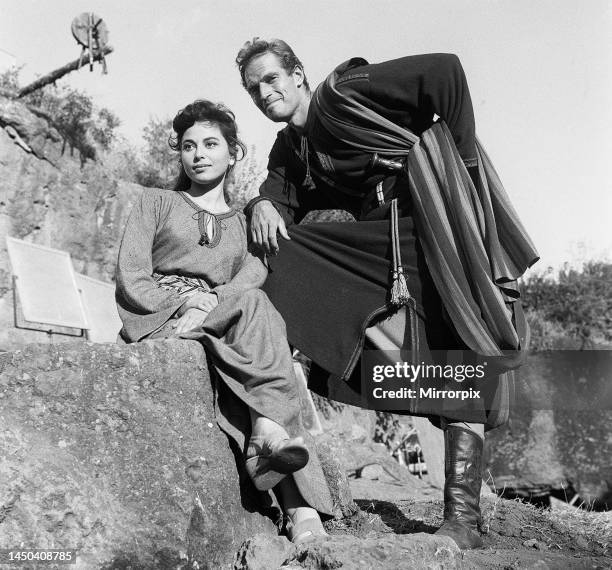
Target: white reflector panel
(46,284)
(100,308)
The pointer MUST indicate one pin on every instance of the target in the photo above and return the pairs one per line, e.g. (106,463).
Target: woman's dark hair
(288,60)
(203,111)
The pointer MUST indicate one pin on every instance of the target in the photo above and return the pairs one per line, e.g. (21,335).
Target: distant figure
(430,265)
(185,270)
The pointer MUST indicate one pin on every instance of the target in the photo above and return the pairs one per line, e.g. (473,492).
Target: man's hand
(202,301)
(265,222)
(191,319)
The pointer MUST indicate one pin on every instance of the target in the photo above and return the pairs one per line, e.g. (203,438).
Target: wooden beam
(58,73)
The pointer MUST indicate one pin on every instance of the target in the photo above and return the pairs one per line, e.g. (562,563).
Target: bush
(577,301)
(158,165)
(244,181)
(9,80)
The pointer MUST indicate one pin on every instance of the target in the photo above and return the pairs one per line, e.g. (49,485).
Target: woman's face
(205,153)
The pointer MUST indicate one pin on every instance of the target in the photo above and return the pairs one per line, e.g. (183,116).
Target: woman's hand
(202,301)
(191,319)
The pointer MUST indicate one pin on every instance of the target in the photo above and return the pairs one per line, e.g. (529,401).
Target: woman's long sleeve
(137,291)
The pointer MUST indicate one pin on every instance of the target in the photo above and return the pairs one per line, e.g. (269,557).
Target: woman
(185,270)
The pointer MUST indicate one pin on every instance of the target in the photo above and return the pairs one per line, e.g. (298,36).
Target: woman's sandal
(269,461)
(304,531)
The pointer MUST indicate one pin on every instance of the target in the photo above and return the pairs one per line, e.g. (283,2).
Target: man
(369,141)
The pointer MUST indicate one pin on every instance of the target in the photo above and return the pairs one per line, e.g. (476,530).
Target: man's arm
(278,204)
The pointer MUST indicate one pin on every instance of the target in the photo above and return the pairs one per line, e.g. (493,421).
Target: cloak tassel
(399,288)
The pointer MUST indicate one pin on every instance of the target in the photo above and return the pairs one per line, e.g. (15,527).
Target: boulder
(388,552)
(114,451)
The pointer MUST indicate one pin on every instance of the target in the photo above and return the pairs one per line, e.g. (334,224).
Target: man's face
(275,92)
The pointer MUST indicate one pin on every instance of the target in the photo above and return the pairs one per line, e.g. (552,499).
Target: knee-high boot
(463,472)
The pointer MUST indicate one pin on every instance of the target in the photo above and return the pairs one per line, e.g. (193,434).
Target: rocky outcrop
(29,131)
(114,451)
(48,198)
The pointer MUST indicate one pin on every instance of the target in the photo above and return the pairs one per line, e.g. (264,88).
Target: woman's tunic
(162,237)
(244,336)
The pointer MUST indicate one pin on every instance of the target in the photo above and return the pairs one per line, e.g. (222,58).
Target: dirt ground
(517,535)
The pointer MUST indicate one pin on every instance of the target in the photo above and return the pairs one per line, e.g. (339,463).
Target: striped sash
(474,244)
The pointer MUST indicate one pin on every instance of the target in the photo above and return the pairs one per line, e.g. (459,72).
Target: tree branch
(58,73)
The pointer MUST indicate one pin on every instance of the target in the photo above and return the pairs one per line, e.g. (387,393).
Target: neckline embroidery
(209,224)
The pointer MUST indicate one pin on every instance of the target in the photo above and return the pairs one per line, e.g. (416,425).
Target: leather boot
(463,472)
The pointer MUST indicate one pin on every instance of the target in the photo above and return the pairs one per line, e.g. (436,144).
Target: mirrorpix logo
(389,385)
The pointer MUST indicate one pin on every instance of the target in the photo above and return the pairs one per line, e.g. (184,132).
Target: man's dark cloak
(461,242)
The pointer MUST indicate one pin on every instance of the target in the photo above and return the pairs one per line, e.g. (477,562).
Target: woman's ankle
(262,427)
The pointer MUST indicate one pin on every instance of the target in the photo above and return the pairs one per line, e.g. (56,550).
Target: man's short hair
(289,61)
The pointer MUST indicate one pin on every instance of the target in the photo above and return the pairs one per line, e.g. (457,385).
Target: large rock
(114,450)
(388,552)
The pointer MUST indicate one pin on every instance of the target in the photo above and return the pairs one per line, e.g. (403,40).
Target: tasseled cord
(308,181)
(399,288)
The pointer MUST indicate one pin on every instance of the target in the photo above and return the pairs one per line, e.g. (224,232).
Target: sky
(540,75)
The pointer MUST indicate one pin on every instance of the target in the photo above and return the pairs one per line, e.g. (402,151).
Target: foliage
(244,181)
(9,79)
(388,429)
(75,116)
(122,160)
(547,335)
(158,166)
(103,128)
(578,301)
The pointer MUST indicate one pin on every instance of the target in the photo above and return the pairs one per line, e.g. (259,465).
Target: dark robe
(461,272)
